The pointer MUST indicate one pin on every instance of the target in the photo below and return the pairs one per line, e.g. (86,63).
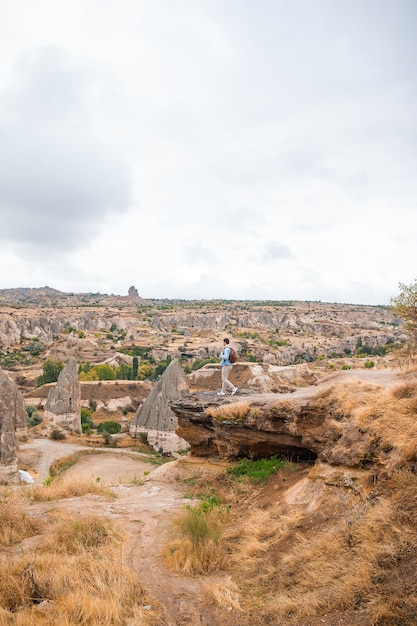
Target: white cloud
(220,149)
(57,180)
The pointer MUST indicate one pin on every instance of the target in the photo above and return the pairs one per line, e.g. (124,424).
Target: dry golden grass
(388,415)
(67,488)
(86,584)
(225,594)
(15,523)
(196,545)
(285,566)
(237,411)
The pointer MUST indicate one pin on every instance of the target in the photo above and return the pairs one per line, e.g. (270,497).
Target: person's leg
(226,369)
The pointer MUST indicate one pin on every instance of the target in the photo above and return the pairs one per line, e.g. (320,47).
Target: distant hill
(47,296)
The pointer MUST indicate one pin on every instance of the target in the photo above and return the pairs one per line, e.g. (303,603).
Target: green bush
(51,369)
(369,364)
(34,418)
(86,422)
(35,347)
(198,527)
(57,435)
(199,363)
(110,427)
(257,471)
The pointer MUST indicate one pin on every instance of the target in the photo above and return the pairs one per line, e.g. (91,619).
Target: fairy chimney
(155,417)
(63,405)
(13,421)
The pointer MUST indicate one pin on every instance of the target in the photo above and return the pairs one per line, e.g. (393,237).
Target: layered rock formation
(13,420)
(305,425)
(155,416)
(255,431)
(64,399)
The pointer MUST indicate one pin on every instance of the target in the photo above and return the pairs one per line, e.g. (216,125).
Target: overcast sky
(242,149)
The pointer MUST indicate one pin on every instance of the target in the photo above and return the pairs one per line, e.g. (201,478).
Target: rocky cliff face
(64,399)
(13,419)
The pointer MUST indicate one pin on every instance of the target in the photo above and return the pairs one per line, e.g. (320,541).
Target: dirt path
(147,501)
(383,377)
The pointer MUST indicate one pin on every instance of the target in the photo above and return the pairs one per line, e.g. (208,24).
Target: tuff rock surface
(155,416)
(263,425)
(64,399)
(13,421)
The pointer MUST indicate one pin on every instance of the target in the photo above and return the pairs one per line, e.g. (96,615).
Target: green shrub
(34,418)
(144,438)
(86,422)
(257,471)
(199,527)
(199,363)
(57,435)
(110,427)
(108,439)
(369,364)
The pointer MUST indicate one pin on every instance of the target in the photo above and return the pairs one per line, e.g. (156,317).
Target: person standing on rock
(226,368)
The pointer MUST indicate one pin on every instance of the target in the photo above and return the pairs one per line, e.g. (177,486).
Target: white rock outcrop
(155,417)
(63,405)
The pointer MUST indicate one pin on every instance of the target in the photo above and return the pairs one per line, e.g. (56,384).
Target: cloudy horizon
(202,150)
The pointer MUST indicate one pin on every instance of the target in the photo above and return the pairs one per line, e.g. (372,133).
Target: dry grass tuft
(84,532)
(15,523)
(225,594)
(67,488)
(406,390)
(237,411)
(196,545)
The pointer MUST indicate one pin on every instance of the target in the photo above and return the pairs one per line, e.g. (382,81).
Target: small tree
(405,307)
(124,372)
(111,427)
(51,369)
(135,365)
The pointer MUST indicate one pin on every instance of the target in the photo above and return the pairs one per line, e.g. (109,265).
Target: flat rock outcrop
(309,424)
(13,420)
(256,427)
(259,377)
(155,416)
(63,405)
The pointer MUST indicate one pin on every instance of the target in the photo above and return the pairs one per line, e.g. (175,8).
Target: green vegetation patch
(257,471)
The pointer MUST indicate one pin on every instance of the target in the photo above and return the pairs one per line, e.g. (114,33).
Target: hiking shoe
(221,393)
(233,391)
